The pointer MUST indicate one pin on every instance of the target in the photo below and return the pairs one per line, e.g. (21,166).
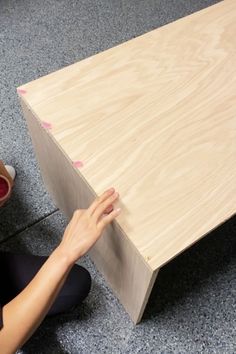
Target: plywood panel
(125,270)
(156,118)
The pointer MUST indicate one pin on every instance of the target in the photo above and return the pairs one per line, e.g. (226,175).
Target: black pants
(17,270)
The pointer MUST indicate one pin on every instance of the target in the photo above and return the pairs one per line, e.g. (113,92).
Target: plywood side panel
(122,266)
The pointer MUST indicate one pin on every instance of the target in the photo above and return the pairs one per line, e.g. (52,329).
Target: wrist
(61,257)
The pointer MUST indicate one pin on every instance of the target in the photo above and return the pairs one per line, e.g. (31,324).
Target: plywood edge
(159,265)
(147,295)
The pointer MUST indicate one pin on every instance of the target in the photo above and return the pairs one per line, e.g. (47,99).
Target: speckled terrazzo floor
(192,308)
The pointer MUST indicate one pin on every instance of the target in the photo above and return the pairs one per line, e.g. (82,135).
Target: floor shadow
(192,269)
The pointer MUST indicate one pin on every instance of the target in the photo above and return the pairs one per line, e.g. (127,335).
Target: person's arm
(25,312)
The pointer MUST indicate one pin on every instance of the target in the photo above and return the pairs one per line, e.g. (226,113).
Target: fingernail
(111,190)
(109,209)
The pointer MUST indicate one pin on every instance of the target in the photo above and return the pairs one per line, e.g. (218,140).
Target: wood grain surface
(154,117)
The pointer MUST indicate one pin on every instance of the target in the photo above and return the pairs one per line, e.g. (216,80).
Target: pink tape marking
(47,125)
(78,164)
(22,91)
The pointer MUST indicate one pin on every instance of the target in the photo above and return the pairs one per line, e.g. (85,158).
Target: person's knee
(73,292)
(83,281)
(78,284)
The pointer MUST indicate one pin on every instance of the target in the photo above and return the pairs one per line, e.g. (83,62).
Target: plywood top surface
(154,117)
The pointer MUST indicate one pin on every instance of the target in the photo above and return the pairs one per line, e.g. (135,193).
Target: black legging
(17,270)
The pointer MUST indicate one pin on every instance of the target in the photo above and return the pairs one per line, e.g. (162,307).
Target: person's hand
(87,225)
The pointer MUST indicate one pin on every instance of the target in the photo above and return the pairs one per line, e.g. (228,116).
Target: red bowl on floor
(5,188)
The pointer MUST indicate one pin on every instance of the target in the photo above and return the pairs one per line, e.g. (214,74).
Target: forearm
(25,312)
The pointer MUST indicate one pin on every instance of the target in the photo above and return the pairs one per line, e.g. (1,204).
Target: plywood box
(155,118)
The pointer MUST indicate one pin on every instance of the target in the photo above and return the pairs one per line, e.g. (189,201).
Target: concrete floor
(193,304)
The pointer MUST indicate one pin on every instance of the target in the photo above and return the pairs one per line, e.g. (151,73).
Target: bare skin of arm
(23,315)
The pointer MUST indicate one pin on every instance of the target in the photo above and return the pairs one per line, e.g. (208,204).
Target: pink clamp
(22,91)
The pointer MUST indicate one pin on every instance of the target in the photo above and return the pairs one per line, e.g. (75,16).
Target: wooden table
(154,117)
